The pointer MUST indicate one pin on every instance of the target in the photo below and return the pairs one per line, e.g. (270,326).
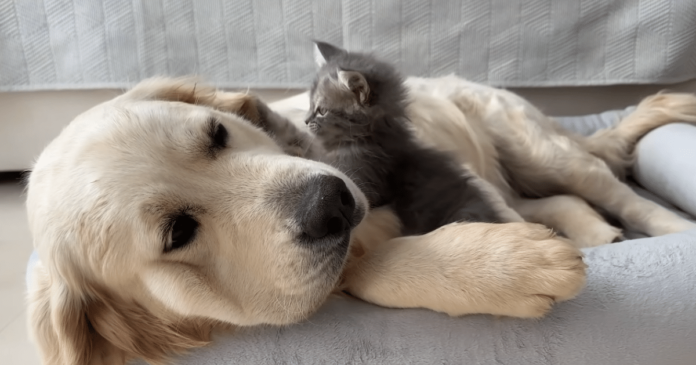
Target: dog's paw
(544,269)
(511,269)
(670,225)
(597,235)
(658,221)
(524,268)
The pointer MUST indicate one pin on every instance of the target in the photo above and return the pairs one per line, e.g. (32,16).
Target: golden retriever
(169,211)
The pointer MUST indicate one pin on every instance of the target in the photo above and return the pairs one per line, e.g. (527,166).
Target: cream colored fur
(105,291)
(512,269)
(525,153)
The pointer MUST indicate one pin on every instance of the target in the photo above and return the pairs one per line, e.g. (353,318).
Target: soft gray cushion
(666,164)
(638,308)
(587,124)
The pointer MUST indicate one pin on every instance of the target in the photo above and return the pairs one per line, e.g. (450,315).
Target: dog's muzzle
(326,208)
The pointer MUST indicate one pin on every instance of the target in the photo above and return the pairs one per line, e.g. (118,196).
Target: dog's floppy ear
(129,329)
(356,83)
(190,90)
(324,52)
(58,320)
(71,329)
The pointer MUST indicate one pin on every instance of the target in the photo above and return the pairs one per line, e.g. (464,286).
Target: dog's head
(164,211)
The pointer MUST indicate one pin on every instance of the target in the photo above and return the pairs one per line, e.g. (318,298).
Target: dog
(176,208)
(533,169)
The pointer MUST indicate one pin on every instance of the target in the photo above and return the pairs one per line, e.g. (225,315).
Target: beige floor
(15,248)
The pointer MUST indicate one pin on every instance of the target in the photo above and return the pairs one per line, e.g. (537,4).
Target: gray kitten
(358,119)
(358,113)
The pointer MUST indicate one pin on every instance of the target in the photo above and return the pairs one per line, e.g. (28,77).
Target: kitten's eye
(321,111)
(183,231)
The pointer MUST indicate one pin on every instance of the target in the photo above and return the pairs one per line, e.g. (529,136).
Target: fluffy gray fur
(358,113)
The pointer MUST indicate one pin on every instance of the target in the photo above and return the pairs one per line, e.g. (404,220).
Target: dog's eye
(183,231)
(219,136)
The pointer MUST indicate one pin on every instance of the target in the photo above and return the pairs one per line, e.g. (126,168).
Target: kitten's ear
(324,51)
(356,83)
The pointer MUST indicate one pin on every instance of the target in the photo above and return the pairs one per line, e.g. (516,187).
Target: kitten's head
(353,96)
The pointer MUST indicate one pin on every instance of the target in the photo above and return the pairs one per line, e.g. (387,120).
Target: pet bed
(639,306)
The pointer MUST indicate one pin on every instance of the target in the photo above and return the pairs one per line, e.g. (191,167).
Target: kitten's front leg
(292,140)
(513,269)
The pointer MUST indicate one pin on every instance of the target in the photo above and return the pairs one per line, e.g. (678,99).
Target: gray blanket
(55,44)
(638,308)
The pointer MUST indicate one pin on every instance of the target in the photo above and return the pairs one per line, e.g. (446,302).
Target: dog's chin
(314,296)
(327,257)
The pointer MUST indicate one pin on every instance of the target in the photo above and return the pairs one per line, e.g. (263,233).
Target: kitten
(358,113)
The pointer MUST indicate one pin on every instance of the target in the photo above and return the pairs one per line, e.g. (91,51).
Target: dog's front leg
(513,269)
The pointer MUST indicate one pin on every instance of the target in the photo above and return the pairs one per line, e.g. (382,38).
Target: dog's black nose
(326,207)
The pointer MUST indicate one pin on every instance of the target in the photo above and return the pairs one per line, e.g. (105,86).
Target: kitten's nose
(326,207)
